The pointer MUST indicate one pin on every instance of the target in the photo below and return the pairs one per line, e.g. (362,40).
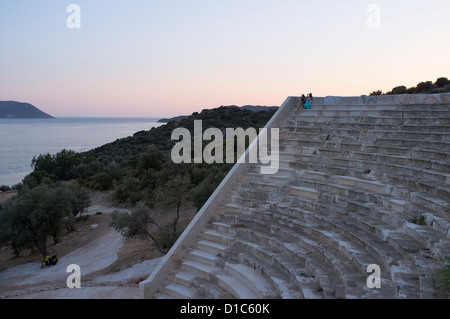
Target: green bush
(442,82)
(441,85)
(4,188)
(45,210)
(399,90)
(444,277)
(61,164)
(103,181)
(424,87)
(141,224)
(378,92)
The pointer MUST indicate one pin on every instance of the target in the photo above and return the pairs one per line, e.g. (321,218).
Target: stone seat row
(357,185)
(345,192)
(253,203)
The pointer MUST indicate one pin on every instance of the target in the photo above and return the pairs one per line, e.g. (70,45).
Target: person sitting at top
(302,105)
(308,101)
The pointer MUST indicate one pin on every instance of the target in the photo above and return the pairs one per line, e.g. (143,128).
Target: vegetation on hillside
(138,170)
(442,85)
(46,210)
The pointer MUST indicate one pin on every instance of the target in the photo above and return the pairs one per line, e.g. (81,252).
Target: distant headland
(18,110)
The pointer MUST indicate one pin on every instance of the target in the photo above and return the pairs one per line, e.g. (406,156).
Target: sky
(150,58)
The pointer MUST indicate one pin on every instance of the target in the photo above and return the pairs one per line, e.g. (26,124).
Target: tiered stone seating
(357,185)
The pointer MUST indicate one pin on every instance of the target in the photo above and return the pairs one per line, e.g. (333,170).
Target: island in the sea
(18,110)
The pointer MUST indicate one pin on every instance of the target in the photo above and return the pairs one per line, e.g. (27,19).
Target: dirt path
(110,267)
(4,196)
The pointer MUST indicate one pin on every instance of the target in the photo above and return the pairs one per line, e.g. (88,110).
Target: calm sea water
(20,140)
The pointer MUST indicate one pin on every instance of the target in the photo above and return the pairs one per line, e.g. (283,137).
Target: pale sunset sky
(149,58)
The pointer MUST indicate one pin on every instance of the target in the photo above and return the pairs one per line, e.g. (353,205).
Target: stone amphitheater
(362,181)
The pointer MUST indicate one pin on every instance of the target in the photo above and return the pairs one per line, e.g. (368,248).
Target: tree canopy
(40,212)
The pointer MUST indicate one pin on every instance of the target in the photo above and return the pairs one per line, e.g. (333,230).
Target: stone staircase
(358,185)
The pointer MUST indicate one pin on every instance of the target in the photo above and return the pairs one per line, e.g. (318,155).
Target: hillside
(253,108)
(123,149)
(133,168)
(18,110)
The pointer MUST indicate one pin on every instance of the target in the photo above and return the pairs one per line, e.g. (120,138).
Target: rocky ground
(110,266)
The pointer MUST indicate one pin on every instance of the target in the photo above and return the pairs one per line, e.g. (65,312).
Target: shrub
(40,175)
(442,82)
(444,277)
(424,87)
(4,188)
(399,90)
(114,171)
(141,224)
(412,90)
(36,214)
(61,164)
(103,180)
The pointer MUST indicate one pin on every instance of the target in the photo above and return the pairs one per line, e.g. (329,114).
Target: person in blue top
(308,102)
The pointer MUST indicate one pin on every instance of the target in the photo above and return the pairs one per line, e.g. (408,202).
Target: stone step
(358,255)
(314,175)
(350,231)
(276,265)
(235,287)
(321,187)
(433,136)
(422,163)
(250,278)
(177,291)
(374,122)
(352,112)
(312,127)
(284,285)
(293,132)
(371,186)
(356,192)
(283,174)
(321,268)
(439,224)
(221,227)
(203,257)
(359,140)
(434,170)
(215,236)
(212,247)
(309,193)
(347,149)
(398,175)
(384,107)
(159,295)
(198,269)
(445,146)
(429,203)
(422,233)
(183,278)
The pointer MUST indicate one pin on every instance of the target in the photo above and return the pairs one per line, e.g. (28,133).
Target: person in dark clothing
(302,105)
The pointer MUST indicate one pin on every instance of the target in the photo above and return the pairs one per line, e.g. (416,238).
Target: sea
(22,139)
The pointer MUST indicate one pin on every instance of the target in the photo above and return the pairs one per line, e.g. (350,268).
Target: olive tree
(140,223)
(40,212)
